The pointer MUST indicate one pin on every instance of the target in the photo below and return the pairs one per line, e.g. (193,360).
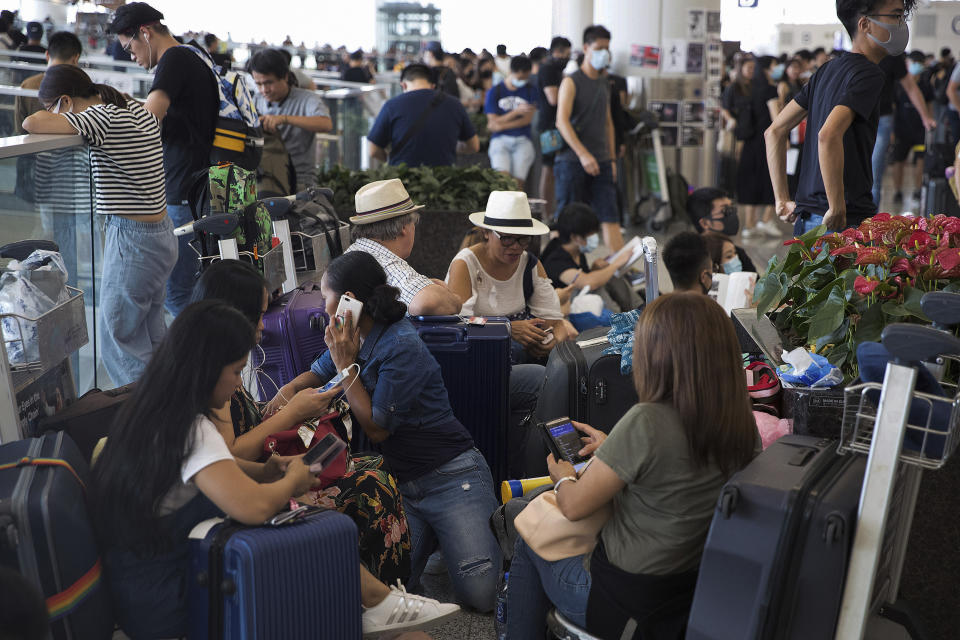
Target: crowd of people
(658,471)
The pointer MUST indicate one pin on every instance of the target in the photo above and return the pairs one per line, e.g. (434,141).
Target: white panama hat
(382,200)
(509,212)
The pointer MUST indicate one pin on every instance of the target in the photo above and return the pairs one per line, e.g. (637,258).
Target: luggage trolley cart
(306,256)
(651,194)
(902,434)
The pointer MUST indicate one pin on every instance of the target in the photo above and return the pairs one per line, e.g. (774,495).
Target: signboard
(644,56)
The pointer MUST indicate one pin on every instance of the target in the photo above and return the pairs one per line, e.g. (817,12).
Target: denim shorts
(573,184)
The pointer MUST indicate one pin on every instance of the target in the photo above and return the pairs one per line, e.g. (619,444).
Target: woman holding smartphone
(367,493)
(397,397)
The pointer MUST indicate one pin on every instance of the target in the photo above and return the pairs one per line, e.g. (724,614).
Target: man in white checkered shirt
(385,227)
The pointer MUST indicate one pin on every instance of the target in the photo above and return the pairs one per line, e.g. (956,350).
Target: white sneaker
(405,611)
(770,228)
(746,233)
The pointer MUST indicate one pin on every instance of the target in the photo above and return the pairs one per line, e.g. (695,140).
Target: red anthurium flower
(948,258)
(919,240)
(952,226)
(881,216)
(852,235)
(902,265)
(871,255)
(864,286)
(794,241)
(845,249)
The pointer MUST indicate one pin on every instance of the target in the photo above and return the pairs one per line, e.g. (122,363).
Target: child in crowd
(661,468)
(398,398)
(139,248)
(367,492)
(165,468)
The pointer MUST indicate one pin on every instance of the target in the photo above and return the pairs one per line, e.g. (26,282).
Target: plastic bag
(30,288)
(818,372)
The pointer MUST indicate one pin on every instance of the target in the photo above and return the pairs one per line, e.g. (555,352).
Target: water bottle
(500,620)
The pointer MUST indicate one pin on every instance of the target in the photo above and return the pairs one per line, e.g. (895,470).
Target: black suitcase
(938,198)
(778,548)
(45,533)
(88,418)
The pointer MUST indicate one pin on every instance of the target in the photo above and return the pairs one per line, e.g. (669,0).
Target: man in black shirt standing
(841,100)
(185,99)
(356,70)
(548,81)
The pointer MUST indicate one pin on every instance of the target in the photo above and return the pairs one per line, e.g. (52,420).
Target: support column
(570,18)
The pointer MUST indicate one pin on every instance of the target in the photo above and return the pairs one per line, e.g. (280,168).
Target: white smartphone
(354,306)
(549,337)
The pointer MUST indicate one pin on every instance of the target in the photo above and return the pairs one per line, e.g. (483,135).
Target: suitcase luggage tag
(477,321)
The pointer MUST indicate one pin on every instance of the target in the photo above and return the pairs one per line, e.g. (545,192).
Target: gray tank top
(589,116)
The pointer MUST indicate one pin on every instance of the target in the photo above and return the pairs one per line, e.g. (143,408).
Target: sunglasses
(509,241)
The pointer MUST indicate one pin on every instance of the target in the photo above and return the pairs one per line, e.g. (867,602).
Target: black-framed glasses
(126,47)
(901,19)
(509,241)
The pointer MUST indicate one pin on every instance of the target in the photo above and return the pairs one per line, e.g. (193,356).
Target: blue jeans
(184,274)
(803,225)
(573,184)
(452,505)
(137,258)
(535,583)
(884,131)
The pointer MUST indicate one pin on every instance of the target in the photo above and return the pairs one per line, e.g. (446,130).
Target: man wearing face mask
(185,100)
(548,80)
(584,170)
(841,103)
(908,130)
(711,209)
(510,107)
(688,262)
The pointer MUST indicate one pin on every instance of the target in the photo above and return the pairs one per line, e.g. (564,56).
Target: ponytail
(383,305)
(359,273)
(109,95)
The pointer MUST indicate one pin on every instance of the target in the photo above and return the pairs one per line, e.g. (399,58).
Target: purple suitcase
(293,330)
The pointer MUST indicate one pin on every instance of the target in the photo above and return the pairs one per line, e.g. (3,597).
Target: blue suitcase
(45,533)
(475,364)
(300,579)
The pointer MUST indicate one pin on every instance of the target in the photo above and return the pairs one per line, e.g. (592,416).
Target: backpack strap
(532,263)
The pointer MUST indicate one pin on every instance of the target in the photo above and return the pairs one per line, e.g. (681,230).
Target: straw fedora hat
(382,200)
(509,212)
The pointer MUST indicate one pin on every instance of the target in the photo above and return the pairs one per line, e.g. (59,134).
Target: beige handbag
(551,535)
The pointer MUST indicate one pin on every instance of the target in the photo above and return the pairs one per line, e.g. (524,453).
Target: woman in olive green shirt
(662,466)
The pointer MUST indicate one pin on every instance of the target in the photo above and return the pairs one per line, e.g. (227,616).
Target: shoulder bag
(551,535)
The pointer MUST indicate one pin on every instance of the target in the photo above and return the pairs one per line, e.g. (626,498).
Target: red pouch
(291,443)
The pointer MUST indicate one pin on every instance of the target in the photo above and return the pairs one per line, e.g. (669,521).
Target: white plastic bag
(29,288)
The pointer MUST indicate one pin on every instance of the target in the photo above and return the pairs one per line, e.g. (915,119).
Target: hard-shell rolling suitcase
(776,555)
(300,579)
(475,364)
(940,199)
(45,533)
(293,331)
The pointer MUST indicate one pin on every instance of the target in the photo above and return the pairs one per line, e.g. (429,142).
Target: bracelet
(562,480)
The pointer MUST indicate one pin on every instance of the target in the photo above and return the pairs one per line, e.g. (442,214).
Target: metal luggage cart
(903,432)
(647,178)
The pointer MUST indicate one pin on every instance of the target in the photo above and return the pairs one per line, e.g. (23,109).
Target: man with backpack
(185,99)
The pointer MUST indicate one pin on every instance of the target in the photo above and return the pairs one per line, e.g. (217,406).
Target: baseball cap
(34,30)
(130,17)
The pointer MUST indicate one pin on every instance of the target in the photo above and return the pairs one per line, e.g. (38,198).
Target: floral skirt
(370,497)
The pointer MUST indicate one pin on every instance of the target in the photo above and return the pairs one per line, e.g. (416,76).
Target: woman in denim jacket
(398,398)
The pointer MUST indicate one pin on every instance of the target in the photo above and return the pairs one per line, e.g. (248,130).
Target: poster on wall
(695,57)
(693,112)
(667,111)
(696,24)
(691,137)
(713,23)
(668,136)
(674,56)
(644,56)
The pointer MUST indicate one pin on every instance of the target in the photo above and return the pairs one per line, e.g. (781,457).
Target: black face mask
(562,61)
(731,221)
(486,74)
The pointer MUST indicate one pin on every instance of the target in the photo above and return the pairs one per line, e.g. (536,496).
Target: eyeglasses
(509,241)
(126,47)
(901,19)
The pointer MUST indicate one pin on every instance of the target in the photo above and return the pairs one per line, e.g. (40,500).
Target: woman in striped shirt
(126,158)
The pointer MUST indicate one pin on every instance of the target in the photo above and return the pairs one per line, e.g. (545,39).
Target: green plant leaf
(911,302)
(768,293)
(839,355)
(830,315)
(870,325)
(838,336)
(811,236)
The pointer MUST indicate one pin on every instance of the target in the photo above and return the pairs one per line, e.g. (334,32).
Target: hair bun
(383,305)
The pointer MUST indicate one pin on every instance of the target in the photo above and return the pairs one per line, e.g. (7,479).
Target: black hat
(130,17)
(34,30)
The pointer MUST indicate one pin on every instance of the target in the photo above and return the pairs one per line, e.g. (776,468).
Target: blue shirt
(500,101)
(408,399)
(435,144)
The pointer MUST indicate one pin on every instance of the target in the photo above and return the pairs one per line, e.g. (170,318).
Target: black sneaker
(898,198)
(916,195)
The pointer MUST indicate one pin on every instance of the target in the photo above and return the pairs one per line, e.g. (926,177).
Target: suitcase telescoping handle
(447,336)
(910,342)
(942,307)
(216,224)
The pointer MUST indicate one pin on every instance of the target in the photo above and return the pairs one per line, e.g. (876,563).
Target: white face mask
(56,107)
(593,243)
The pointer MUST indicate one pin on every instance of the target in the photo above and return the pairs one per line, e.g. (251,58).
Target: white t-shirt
(492,297)
(208,448)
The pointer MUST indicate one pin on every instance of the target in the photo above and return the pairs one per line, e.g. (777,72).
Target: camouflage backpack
(228,188)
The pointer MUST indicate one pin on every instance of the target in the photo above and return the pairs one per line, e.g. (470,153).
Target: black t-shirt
(557,260)
(763,92)
(894,69)
(355,74)
(854,82)
(190,120)
(550,75)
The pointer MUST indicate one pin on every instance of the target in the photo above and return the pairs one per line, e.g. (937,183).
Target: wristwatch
(562,480)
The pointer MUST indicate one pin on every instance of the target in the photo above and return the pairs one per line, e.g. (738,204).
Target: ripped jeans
(452,505)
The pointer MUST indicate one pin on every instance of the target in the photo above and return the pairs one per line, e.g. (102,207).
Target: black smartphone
(323,452)
(563,439)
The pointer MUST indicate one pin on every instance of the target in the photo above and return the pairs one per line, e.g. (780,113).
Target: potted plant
(449,195)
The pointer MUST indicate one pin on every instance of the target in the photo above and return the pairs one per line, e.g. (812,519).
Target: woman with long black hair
(165,468)
(139,250)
